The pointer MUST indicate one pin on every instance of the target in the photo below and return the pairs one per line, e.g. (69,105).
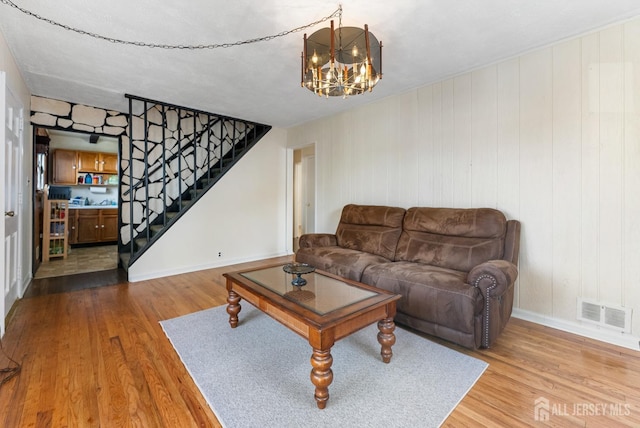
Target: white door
(13,123)
(309,196)
(304,192)
(297,202)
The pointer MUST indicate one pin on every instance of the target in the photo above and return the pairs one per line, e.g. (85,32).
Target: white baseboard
(132,277)
(25,284)
(601,334)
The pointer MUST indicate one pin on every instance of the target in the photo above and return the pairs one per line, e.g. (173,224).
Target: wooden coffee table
(323,311)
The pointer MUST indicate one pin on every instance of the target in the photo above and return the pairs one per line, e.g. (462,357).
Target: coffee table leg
(234,308)
(386,338)
(321,375)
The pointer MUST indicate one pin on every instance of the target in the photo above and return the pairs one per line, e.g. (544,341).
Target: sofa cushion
(339,261)
(369,228)
(430,293)
(452,238)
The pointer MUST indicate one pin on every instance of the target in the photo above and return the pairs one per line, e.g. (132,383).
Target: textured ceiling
(424,41)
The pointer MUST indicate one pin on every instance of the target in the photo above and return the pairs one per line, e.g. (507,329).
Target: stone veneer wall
(77,117)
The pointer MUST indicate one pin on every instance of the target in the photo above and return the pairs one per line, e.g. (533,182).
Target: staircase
(172,157)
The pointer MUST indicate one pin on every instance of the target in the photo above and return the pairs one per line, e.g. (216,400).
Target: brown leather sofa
(455,268)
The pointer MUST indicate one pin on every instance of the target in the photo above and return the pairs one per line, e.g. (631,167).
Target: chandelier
(342,62)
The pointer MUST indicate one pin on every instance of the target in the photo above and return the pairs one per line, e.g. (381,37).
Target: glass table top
(321,294)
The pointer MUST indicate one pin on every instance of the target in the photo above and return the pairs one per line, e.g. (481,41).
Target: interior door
(304,193)
(309,196)
(13,123)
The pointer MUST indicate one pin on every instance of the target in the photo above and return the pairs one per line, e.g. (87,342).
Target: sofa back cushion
(370,228)
(452,238)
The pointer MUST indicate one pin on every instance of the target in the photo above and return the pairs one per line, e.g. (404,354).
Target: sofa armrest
(495,280)
(312,240)
(493,277)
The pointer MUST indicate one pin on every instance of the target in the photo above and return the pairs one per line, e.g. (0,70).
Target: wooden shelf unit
(55,230)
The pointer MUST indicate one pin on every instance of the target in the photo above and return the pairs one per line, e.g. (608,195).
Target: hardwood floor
(98,357)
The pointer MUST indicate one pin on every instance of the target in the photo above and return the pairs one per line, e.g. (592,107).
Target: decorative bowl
(298,269)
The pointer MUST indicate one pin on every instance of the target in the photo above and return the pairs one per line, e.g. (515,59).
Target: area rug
(257,375)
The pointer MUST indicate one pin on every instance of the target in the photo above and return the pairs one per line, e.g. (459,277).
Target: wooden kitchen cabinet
(96,225)
(67,164)
(88,161)
(109,225)
(109,163)
(88,226)
(72,225)
(65,169)
(98,162)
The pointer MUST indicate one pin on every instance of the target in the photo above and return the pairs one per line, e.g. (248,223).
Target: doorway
(304,192)
(63,160)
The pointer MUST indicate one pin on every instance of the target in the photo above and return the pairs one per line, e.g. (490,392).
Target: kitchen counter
(92,207)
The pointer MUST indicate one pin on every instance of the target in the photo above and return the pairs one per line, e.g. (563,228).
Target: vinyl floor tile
(80,260)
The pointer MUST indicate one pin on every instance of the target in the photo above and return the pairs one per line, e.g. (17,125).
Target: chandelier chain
(337,12)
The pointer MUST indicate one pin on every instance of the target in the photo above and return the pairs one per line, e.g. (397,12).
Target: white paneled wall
(551,138)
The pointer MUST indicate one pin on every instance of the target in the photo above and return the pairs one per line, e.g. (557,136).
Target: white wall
(80,141)
(242,216)
(551,138)
(19,89)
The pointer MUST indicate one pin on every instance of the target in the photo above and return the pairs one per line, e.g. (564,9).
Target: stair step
(196,193)
(156,228)
(205,182)
(171,214)
(124,260)
(140,242)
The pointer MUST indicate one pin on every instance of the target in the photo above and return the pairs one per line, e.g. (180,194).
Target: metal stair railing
(165,174)
(157,167)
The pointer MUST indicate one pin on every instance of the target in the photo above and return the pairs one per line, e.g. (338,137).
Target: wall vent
(615,317)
